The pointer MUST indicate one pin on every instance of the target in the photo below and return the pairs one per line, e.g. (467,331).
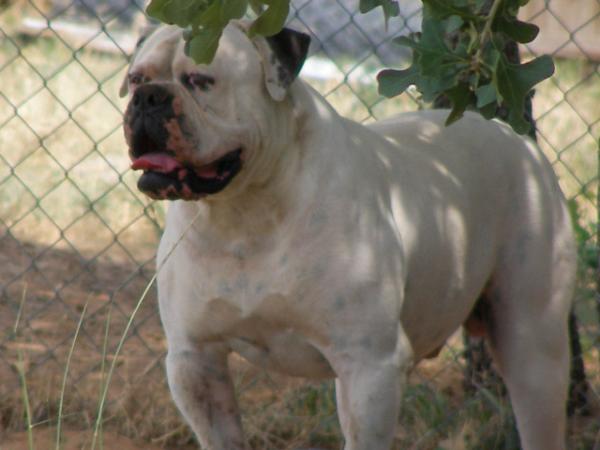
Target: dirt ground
(72,440)
(43,296)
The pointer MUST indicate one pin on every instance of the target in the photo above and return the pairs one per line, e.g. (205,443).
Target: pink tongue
(159,162)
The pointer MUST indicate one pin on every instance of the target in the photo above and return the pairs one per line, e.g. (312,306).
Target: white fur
(353,252)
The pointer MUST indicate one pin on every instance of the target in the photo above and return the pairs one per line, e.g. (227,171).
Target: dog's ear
(283,57)
(144,34)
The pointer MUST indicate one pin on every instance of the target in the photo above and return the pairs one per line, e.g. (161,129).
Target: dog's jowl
(319,247)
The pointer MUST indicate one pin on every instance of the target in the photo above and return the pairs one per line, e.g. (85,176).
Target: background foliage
(459,53)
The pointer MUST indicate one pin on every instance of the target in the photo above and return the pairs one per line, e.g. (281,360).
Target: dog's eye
(197,80)
(137,78)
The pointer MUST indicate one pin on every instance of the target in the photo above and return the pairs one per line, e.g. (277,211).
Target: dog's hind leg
(203,391)
(530,299)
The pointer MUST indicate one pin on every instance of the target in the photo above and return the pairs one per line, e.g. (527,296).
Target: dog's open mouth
(165,177)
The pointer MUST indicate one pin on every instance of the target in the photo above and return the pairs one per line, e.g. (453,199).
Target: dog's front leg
(201,385)
(368,393)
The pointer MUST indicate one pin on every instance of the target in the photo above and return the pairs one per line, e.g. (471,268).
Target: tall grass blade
(25,394)
(103,365)
(20,311)
(66,374)
(22,375)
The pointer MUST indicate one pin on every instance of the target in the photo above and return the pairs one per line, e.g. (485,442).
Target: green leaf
(516,30)
(257,6)
(433,49)
(394,82)
(179,12)
(208,17)
(480,4)
(485,94)
(364,6)
(155,9)
(490,58)
(453,23)
(390,7)
(203,46)
(514,81)
(511,7)
(431,88)
(440,9)
(271,21)
(489,111)
(406,41)
(436,68)
(461,97)
(432,34)
(233,9)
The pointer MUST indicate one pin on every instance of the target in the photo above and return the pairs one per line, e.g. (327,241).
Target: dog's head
(193,128)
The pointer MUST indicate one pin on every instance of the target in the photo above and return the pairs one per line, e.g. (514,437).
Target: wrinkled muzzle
(161,146)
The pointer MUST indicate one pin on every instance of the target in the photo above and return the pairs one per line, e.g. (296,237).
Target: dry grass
(77,229)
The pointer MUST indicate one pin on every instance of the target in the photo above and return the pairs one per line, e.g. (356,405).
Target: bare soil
(72,440)
(44,292)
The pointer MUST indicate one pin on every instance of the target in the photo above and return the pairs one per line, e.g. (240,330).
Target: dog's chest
(265,306)
(239,290)
(266,287)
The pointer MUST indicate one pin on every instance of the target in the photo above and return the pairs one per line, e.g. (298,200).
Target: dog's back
(527,295)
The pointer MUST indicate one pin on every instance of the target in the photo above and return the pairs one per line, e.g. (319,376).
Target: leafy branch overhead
(204,20)
(459,53)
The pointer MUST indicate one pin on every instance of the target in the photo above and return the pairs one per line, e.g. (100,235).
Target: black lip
(171,186)
(160,186)
(230,162)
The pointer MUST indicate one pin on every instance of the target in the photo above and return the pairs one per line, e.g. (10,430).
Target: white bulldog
(319,247)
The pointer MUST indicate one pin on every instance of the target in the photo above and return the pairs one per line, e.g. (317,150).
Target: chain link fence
(77,239)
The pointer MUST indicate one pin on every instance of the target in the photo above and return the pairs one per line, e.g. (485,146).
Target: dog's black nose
(151,106)
(151,97)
